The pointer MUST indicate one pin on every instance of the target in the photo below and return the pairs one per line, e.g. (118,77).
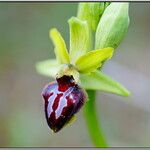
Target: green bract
(112,26)
(79,61)
(91,12)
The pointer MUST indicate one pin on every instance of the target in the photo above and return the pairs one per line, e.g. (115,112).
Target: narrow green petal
(99,81)
(79,38)
(48,67)
(92,60)
(60,47)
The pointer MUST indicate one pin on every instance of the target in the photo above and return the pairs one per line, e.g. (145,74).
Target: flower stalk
(93,122)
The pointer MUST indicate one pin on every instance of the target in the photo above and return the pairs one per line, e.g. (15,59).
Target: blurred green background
(24,41)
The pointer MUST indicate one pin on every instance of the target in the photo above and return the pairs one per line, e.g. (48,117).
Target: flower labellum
(63,99)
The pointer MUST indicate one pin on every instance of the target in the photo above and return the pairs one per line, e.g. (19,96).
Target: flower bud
(63,99)
(91,12)
(112,26)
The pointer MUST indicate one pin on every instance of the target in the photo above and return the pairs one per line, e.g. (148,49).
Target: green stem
(91,118)
(92,121)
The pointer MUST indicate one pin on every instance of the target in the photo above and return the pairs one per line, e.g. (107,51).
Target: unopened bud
(112,26)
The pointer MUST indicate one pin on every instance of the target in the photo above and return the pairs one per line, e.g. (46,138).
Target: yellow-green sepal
(93,59)
(99,81)
(48,67)
(79,38)
(60,49)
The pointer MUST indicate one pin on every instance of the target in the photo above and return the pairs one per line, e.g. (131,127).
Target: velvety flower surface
(63,99)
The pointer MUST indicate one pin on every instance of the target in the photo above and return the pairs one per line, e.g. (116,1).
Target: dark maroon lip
(63,99)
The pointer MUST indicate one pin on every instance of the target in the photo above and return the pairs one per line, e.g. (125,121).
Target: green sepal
(112,26)
(60,47)
(99,81)
(93,59)
(79,38)
(48,67)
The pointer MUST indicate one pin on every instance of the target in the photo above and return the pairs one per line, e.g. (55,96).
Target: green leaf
(91,12)
(112,26)
(60,47)
(92,60)
(99,81)
(79,38)
(48,67)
